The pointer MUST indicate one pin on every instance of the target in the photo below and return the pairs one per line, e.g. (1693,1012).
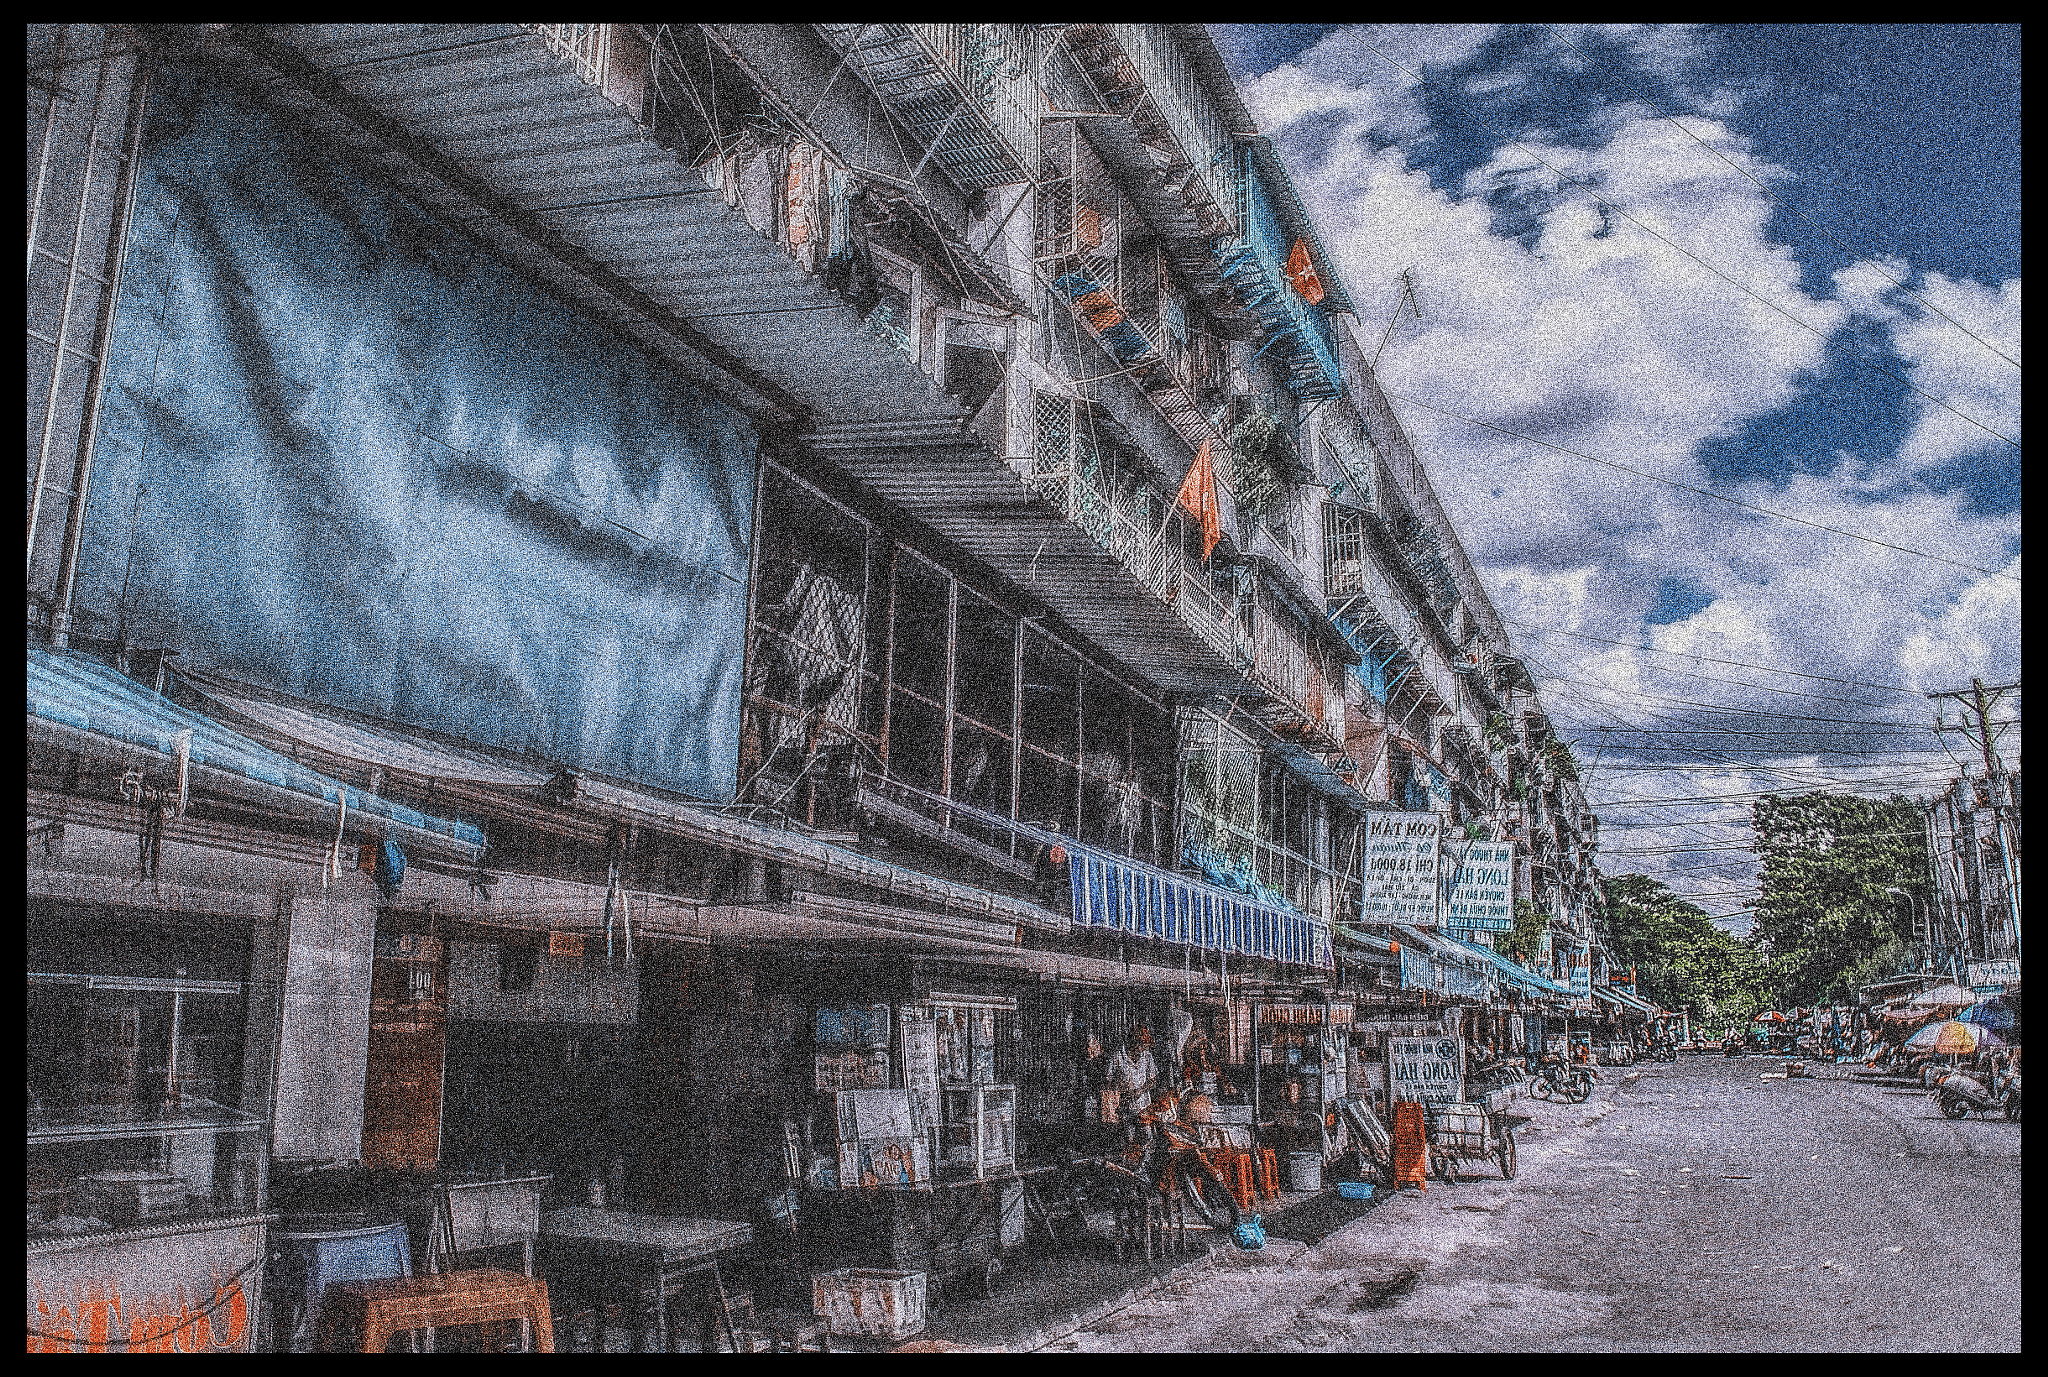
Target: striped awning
(74,698)
(1115,892)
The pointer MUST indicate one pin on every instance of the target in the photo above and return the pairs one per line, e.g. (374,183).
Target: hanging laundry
(390,868)
(1301,274)
(1198,497)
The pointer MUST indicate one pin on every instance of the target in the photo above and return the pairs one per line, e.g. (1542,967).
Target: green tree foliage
(1527,938)
(1825,921)
(1682,960)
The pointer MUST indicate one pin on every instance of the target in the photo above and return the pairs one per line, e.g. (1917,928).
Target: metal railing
(587,46)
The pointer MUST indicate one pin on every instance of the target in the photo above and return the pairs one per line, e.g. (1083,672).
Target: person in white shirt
(1132,1073)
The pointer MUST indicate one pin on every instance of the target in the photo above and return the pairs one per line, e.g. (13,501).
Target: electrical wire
(1865,259)
(1740,664)
(1750,292)
(1707,492)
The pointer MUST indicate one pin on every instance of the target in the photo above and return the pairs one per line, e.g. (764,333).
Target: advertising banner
(1401,867)
(1481,896)
(1429,1070)
(187,1288)
(1582,971)
(1991,977)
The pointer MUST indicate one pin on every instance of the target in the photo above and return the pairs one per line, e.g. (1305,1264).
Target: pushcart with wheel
(1460,1133)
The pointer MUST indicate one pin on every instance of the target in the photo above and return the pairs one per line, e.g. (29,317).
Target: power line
(1750,292)
(1866,259)
(1706,492)
(1740,664)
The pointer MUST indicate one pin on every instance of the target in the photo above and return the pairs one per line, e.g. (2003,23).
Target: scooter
(1959,1093)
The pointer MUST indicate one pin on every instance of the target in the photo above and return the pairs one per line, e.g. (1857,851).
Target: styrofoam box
(865,1300)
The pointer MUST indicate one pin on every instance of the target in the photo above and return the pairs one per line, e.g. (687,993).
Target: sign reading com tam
(1428,1070)
(1482,889)
(1401,867)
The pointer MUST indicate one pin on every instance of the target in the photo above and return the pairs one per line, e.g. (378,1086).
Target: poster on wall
(188,1288)
(920,1041)
(1582,971)
(1481,893)
(1401,867)
(1428,1070)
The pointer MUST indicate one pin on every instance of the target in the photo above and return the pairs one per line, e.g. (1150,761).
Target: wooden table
(663,1249)
(375,1310)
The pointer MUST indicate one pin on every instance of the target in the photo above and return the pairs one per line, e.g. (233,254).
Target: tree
(1682,960)
(1826,920)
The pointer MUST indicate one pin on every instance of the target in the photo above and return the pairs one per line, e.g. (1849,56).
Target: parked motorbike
(1731,1046)
(1960,1093)
(1663,1051)
(1573,1084)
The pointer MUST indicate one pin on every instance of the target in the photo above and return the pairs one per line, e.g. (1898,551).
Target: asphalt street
(1697,1207)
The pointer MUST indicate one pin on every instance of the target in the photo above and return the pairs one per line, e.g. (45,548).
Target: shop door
(408,1041)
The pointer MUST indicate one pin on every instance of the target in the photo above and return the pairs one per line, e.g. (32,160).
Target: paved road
(1697,1208)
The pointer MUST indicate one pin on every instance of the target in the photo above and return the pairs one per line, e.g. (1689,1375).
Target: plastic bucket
(1304,1171)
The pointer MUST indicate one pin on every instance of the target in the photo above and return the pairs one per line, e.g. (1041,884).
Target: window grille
(587,46)
(1343,550)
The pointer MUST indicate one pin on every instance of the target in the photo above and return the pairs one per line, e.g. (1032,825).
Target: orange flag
(1301,272)
(1198,497)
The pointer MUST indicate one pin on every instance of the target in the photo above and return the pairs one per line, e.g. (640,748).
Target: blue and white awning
(1115,892)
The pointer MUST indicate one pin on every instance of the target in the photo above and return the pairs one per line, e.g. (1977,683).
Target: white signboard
(1428,1070)
(1482,889)
(1998,974)
(1401,867)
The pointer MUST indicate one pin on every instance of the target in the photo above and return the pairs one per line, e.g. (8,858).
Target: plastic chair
(310,1258)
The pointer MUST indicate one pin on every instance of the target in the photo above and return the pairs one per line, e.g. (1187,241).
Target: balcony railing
(966,92)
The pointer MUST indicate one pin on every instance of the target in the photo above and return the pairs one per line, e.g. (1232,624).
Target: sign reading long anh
(1482,888)
(1401,867)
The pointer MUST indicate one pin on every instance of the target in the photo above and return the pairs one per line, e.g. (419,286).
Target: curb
(1058,1330)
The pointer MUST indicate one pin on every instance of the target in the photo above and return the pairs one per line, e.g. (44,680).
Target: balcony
(964,91)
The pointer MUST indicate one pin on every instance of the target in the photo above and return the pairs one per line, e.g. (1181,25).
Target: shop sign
(1430,1070)
(1307,1013)
(1582,971)
(1401,867)
(1482,889)
(1994,974)
(164,1290)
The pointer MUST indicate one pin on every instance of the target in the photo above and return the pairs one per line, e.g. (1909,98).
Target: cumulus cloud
(1613,288)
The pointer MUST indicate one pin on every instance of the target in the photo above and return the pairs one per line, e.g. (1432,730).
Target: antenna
(1407,300)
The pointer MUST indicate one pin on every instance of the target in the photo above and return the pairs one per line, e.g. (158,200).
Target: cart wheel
(1955,1106)
(1539,1089)
(1507,1149)
(1206,1192)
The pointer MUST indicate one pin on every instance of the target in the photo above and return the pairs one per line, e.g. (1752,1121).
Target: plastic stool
(1236,1171)
(1269,1173)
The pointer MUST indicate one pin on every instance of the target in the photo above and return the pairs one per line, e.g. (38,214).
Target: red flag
(1198,497)
(1301,272)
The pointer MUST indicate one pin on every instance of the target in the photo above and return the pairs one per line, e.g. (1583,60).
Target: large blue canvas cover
(350,455)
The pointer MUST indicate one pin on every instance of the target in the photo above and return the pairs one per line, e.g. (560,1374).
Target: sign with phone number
(1428,1070)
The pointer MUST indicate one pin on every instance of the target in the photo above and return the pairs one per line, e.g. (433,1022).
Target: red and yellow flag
(1198,498)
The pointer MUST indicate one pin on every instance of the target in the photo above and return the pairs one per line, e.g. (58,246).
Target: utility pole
(1979,700)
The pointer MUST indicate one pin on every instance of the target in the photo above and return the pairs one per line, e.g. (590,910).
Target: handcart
(1469,1133)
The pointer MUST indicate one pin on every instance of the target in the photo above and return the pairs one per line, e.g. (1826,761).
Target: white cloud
(1595,336)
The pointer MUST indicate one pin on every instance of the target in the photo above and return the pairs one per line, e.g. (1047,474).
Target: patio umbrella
(1953,1038)
(1944,995)
(1990,1014)
(1772,1016)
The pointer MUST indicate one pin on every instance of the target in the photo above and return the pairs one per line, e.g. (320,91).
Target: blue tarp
(75,691)
(350,455)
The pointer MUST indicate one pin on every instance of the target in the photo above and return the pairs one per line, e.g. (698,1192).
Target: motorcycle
(1959,1093)
(1731,1046)
(1573,1084)
(1663,1051)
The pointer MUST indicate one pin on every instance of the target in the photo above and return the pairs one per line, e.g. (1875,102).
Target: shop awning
(75,701)
(1116,892)
(1626,1001)
(1519,975)
(1432,962)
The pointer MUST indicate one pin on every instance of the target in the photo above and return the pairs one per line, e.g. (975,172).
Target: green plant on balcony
(1258,448)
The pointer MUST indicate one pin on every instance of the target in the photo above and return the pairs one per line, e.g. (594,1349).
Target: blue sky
(1779,264)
